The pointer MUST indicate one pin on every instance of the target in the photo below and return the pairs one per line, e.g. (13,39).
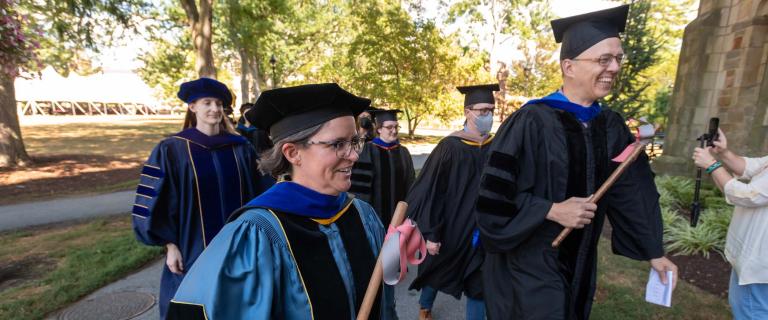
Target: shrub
(676,195)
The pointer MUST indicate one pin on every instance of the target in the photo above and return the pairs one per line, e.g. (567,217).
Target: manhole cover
(113,306)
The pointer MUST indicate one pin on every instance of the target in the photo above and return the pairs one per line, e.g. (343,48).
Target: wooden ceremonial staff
(640,147)
(378,271)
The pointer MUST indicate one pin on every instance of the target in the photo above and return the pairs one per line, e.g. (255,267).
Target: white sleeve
(753,167)
(751,195)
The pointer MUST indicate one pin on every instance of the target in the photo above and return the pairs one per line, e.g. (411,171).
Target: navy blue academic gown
(189,186)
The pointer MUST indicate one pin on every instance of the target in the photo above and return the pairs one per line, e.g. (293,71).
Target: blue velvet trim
(146,191)
(209,142)
(379,142)
(241,126)
(153,172)
(293,198)
(558,101)
(144,212)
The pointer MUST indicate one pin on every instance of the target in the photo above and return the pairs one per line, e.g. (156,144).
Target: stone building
(722,73)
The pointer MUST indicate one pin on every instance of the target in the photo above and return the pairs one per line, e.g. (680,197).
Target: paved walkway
(147,280)
(64,209)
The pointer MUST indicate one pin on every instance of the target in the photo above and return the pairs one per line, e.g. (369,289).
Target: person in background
(366,126)
(193,181)
(442,202)
(745,245)
(258,137)
(384,173)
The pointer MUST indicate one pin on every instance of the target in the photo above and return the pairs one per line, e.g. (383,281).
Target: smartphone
(712,135)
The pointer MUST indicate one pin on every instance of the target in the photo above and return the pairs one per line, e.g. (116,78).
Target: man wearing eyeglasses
(544,163)
(383,174)
(441,202)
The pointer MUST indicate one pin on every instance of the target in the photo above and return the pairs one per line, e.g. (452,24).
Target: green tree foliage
(244,25)
(75,31)
(171,58)
(651,42)
(404,64)
(538,74)
(525,23)
(166,67)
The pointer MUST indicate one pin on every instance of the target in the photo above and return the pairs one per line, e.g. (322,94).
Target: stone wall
(721,73)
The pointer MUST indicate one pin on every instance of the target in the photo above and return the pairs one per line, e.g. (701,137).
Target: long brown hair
(190,121)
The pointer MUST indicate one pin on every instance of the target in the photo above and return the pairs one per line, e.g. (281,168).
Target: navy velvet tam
(205,88)
(286,111)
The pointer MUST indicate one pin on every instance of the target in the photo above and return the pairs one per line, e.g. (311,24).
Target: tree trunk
(12,152)
(200,22)
(256,77)
(245,82)
(411,128)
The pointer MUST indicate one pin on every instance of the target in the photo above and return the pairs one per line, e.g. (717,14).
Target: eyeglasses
(394,127)
(605,60)
(484,111)
(343,148)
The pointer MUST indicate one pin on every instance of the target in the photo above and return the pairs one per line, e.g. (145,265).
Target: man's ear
(567,68)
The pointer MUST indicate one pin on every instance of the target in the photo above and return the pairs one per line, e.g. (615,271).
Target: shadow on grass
(60,175)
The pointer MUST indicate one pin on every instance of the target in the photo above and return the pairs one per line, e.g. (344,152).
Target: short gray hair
(273,161)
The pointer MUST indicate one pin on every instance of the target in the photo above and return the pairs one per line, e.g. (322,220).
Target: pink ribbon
(643,132)
(401,245)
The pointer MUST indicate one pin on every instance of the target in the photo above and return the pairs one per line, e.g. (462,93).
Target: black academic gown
(441,202)
(382,177)
(542,155)
(257,137)
(189,186)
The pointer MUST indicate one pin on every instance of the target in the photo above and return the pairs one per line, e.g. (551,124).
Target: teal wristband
(714,167)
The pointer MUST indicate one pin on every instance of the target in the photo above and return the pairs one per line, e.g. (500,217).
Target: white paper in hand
(657,292)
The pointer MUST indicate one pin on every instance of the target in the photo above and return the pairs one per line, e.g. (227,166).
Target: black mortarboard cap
(381,115)
(204,88)
(579,33)
(479,94)
(286,111)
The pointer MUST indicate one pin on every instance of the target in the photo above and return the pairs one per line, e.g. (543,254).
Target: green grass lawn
(417,139)
(621,293)
(44,270)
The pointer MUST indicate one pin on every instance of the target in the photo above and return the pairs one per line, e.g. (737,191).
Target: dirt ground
(712,274)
